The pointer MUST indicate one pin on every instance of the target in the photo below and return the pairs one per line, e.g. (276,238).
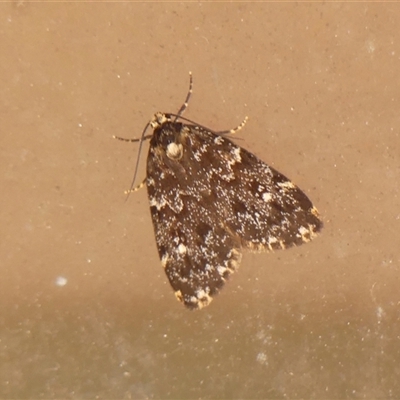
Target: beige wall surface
(86,310)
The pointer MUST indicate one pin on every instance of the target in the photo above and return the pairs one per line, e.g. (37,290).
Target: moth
(210,199)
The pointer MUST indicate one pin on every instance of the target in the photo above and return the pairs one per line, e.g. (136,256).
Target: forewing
(253,201)
(264,208)
(197,251)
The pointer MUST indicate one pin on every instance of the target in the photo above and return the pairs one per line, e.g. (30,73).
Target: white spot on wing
(182,249)
(236,154)
(164,260)
(286,185)
(303,230)
(267,197)
(158,204)
(218,140)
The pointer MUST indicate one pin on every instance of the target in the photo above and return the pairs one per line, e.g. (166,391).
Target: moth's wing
(197,251)
(209,197)
(263,207)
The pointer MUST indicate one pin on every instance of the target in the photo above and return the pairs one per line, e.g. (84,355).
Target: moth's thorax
(169,138)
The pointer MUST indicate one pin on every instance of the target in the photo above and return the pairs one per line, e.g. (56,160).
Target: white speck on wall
(61,281)
(262,358)
(370,45)
(380,314)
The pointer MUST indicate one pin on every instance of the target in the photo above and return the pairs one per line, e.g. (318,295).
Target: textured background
(320,84)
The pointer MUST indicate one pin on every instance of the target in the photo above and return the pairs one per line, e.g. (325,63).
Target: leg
(135,189)
(131,140)
(234,130)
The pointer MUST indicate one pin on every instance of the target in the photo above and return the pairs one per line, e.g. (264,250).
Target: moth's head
(159,119)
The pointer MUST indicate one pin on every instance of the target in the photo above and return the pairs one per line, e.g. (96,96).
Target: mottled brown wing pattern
(209,199)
